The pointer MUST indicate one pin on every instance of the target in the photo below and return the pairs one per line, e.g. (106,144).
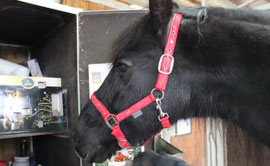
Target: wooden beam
(86,5)
(54,6)
(121,2)
(193,2)
(237,2)
(143,3)
(203,2)
(246,3)
(112,4)
(189,2)
(228,3)
(264,7)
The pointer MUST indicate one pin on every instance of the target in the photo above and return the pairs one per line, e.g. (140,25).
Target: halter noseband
(165,67)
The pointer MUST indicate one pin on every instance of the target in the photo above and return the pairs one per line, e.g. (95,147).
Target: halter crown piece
(165,67)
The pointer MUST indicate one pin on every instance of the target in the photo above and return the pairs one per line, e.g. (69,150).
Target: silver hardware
(114,121)
(153,90)
(165,115)
(161,113)
(42,85)
(171,67)
(119,143)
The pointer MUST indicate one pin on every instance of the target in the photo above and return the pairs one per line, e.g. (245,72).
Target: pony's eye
(122,67)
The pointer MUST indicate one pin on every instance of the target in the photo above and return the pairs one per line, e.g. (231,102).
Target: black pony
(222,69)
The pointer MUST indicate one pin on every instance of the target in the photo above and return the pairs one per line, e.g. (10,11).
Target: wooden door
(193,145)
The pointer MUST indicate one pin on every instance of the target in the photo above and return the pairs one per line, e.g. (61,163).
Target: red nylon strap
(122,141)
(100,107)
(169,50)
(136,107)
(165,122)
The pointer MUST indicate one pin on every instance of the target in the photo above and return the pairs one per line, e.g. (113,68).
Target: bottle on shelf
(23,158)
(23,149)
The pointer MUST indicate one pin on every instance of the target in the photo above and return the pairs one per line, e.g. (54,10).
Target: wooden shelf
(58,133)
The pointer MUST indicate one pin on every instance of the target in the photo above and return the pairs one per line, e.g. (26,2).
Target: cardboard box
(32,104)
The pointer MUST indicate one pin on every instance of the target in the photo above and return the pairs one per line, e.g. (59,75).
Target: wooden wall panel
(7,149)
(86,5)
(243,150)
(193,145)
(17,55)
(11,147)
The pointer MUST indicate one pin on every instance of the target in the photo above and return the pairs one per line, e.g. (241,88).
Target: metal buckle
(114,121)
(119,143)
(171,67)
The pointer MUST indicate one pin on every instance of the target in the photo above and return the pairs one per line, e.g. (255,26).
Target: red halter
(165,67)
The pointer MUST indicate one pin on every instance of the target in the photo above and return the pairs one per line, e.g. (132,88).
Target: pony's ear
(160,13)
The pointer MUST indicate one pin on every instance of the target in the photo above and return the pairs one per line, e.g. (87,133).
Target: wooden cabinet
(64,41)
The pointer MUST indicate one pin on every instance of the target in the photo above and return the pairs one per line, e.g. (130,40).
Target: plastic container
(2,104)
(21,161)
(10,68)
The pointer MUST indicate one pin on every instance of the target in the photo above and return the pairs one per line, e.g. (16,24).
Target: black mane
(242,15)
(200,22)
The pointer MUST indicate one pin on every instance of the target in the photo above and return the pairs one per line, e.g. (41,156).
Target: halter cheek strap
(165,67)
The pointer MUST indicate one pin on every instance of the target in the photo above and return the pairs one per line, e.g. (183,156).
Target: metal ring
(119,143)
(153,90)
